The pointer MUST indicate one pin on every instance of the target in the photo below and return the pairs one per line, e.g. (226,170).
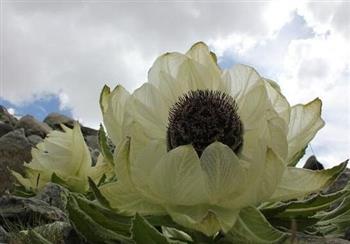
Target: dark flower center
(202,117)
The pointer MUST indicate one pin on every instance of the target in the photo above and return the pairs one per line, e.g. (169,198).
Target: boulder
(34,139)
(313,164)
(55,195)
(32,126)
(5,128)
(15,149)
(54,120)
(6,117)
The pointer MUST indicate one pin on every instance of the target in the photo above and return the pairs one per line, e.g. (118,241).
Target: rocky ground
(18,136)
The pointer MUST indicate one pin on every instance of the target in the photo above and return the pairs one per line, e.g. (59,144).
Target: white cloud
(11,111)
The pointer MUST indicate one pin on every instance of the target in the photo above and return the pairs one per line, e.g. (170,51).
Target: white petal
(113,111)
(305,121)
(129,201)
(278,101)
(224,177)
(178,178)
(150,109)
(240,79)
(298,183)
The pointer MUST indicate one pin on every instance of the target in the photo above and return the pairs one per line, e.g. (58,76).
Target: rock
(32,126)
(6,117)
(88,131)
(15,149)
(54,120)
(313,164)
(340,182)
(5,128)
(34,139)
(55,195)
(92,141)
(94,155)
(28,211)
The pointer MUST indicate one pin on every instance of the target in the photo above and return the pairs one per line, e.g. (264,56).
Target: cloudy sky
(57,55)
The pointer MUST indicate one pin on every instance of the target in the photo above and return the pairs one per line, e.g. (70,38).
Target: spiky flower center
(202,117)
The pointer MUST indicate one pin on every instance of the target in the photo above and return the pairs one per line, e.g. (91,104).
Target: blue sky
(56,57)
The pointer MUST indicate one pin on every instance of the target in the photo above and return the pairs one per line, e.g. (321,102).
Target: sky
(57,55)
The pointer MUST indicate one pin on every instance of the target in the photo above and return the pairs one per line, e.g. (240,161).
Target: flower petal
(128,201)
(298,183)
(113,111)
(151,110)
(178,178)
(278,101)
(224,177)
(195,217)
(240,79)
(305,121)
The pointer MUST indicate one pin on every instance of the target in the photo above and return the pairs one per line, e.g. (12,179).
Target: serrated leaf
(105,217)
(144,232)
(306,207)
(252,227)
(88,228)
(105,150)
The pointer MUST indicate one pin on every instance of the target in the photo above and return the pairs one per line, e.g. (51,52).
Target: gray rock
(32,126)
(54,120)
(5,128)
(28,211)
(88,131)
(340,182)
(313,164)
(34,139)
(55,195)
(94,155)
(92,141)
(6,117)
(15,149)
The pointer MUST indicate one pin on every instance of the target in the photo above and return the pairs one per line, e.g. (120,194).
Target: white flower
(199,143)
(64,154)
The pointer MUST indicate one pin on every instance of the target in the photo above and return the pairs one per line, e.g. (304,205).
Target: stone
(54,120)
(32,126)
(313,164)
(28,211)
(55,195)
(15,149)
(5,128)
(342,180)
(94,155)
(6,117)
(34,139)
(301,238)
(92,141)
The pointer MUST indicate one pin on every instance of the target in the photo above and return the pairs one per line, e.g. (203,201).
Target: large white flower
(199,143)
(64,154)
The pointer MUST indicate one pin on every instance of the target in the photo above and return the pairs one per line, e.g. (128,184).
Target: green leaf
(88,227)
(56,179)
(105,217)
(144,232)
(252,227)
(335,222)
(105,150)
(100,198)
(307,207)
